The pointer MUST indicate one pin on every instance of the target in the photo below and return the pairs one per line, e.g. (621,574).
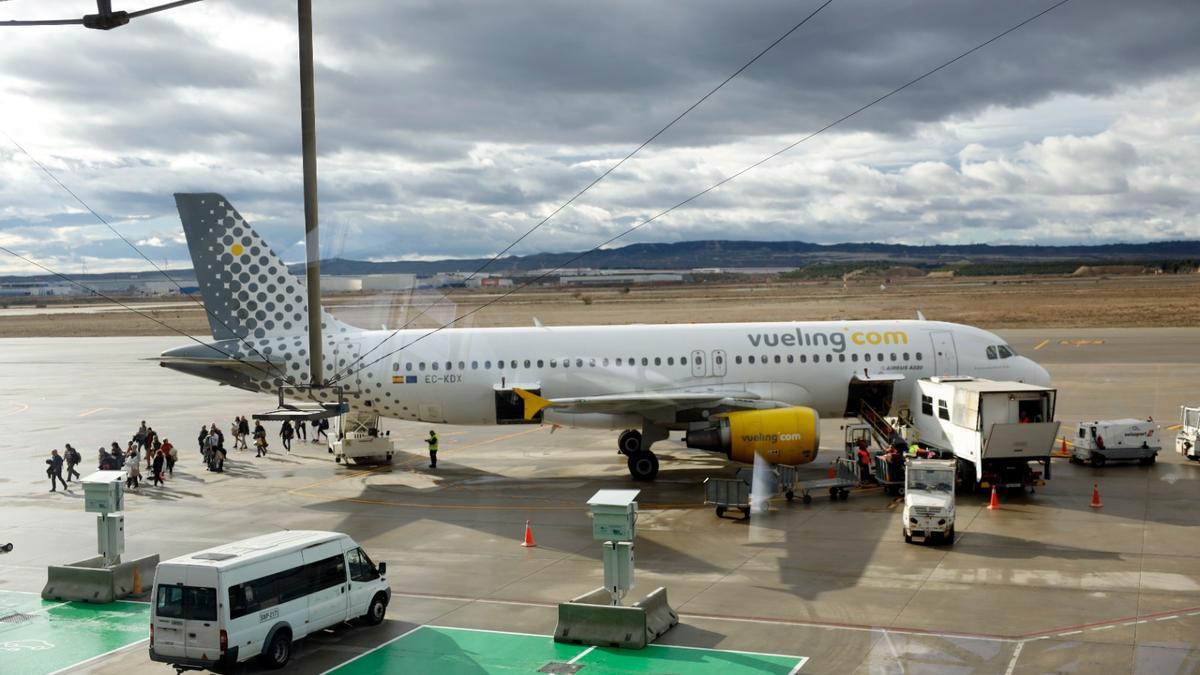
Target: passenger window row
(514,364)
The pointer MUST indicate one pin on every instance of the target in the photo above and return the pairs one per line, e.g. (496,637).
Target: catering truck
(1000,433)
(1103,441)
(215,608)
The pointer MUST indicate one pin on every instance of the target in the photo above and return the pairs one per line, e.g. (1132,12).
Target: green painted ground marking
(454,651)
(39,636)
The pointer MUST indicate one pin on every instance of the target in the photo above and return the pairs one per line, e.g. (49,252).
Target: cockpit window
(1006,352)
(991,352)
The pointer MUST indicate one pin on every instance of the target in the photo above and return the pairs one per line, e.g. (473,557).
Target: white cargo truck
(999,432)
(1107,440)
(1189,433)
(929,500)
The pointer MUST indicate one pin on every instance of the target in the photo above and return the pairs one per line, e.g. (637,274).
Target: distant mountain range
(728,254)
(690,255)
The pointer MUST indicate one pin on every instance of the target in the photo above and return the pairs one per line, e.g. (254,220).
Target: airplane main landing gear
(629,442)
(643,465)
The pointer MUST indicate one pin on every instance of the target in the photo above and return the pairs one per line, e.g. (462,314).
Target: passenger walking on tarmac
(244,431)
(233,431)
(106,461)
(72,458)
(140,436)
(301,430)
(286,433)
(151,448)
(54,467)
(321,429)
(432,442)
(156,469)
(151,437)
(260,440)
(133,468)
(118,455)
(214,442)
(202,439)
(220,436)
(170,456)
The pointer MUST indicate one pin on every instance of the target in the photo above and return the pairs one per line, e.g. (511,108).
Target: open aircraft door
(945,358)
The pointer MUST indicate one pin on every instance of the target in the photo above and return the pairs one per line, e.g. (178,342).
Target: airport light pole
(312,241)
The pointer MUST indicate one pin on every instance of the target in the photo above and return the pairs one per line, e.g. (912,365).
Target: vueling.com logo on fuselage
(770,438)
(834,339)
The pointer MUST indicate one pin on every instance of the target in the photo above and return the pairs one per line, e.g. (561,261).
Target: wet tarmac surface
(1046,584)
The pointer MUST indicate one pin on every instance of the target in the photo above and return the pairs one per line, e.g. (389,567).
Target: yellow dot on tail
(236,249)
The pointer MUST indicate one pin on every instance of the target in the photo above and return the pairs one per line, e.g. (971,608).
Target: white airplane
(739,389)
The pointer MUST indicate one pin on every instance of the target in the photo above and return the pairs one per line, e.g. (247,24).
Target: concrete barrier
(660,618)
(590,620)
(90,581)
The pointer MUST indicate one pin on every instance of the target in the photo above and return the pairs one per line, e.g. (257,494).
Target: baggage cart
(845,477)
(727,493)
(890,475)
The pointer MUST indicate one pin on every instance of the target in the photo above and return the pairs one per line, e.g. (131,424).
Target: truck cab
(1189,433)
(929,500)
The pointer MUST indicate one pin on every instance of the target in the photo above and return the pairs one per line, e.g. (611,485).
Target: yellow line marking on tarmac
(1041,344)
(1175,427)
(1080,343)
(91,412)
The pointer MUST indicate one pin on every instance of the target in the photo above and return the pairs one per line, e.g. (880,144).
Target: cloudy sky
(446,129)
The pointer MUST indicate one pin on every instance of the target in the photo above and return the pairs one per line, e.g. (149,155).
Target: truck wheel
(376,611)
(1147,461)
(1097,460)
(807,498)
(279,650)
(907,538)
(844,494)
(720,511)
(950,536)
(790,495)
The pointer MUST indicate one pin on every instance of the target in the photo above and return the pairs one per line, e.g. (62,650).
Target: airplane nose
(1037,374)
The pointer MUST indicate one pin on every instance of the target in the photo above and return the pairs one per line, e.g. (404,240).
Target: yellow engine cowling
(780,435)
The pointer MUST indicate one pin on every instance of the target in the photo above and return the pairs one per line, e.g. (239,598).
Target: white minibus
(254,597)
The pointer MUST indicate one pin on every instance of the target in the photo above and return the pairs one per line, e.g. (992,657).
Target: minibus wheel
(376,611)
(279,649)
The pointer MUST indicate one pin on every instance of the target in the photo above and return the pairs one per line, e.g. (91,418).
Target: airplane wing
(633,402)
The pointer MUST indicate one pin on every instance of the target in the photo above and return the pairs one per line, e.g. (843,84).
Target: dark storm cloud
(411,94)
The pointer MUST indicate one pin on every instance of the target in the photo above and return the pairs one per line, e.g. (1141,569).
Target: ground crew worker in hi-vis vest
(432,441)
(913,450)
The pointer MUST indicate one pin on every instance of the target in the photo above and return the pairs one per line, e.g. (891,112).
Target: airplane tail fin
(248,291)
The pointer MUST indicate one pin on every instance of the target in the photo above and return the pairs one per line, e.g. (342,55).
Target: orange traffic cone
(994,505)
(831,472)
(1063,450)
(1095,496)
(528,543)
(137,581)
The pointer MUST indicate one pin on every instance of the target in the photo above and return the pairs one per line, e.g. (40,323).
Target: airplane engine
(781,435)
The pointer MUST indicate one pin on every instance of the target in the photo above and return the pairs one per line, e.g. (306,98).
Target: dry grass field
(1000,302)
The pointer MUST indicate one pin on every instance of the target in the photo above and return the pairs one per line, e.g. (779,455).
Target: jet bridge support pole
(312,242)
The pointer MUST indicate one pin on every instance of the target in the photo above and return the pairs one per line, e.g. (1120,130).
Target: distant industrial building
(618,279)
